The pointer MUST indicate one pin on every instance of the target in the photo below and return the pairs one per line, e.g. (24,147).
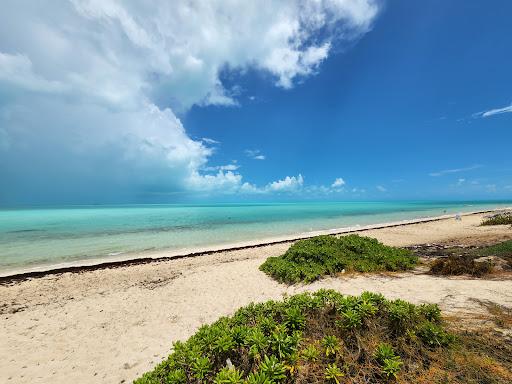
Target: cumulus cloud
(288,184)
(227,181)
(338,183)
(230,182)
(91,89)
(380,188)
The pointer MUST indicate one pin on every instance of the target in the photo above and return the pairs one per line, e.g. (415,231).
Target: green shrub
(200,367)
(333,373)
(498,219)
(283,344)
(431,312)
(228,376)
(177,377)
(391,367)
(273,369)
(223,344)
(294,319)
(384,351)
(310,353)
(331,345)
(402,315)
(257,342)
(300,340)
(434,335)
(310,259)
(366,309)
(258,378)
(389,361)
(350,319)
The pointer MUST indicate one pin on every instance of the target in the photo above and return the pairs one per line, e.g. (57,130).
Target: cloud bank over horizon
(91,90)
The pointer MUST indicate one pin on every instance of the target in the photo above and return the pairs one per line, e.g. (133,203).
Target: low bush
(307,339)
(502,249)
(310,259)
(499,219)
(460,265)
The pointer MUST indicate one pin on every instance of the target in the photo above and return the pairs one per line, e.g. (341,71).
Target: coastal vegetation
(503,218)
(310,259)
(326,337)
(323,336)
(502,250)
(475,262)
(461,265)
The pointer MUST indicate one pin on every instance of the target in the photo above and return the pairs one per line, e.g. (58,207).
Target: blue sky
(172,102)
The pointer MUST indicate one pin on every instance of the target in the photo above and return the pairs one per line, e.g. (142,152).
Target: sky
(106,101)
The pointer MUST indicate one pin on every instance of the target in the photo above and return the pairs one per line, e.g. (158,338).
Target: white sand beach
(110,325)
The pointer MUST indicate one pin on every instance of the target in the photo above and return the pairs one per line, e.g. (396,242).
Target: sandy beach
(110,325)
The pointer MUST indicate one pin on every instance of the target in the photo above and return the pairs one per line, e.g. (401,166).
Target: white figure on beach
(458,217)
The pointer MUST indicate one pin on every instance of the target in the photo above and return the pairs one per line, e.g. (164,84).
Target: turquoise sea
(40,236)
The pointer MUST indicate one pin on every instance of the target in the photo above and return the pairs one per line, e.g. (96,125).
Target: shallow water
(31,237)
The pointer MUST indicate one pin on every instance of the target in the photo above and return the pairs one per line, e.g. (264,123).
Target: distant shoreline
(165,255)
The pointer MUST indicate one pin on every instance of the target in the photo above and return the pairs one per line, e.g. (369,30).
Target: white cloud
(227,167)
(380,188)
(455,170)
(461,181)
(227,181)
(339,182)
(255,154)
(16,70)
(492,112)
(288,184)
(207,140)
(91,88)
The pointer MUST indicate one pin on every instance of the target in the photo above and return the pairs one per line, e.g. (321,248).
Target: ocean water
(35,237)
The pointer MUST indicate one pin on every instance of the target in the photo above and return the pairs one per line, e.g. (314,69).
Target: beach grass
(309,259)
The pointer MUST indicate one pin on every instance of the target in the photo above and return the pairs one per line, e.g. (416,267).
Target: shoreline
(51,325)
(92,264)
